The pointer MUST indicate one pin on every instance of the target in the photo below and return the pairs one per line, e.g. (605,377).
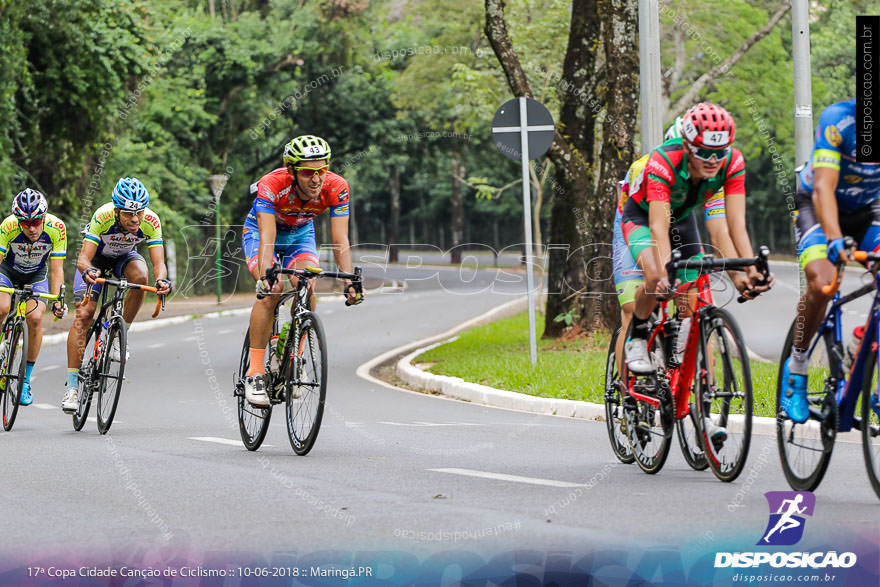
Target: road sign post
(217,183)
(532,122)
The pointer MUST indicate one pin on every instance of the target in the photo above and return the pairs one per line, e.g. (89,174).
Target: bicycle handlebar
(710,265)
(30,293)
(356,277)
(124,284)
(860,256)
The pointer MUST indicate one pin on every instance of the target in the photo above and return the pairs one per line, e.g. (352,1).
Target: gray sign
(508,123)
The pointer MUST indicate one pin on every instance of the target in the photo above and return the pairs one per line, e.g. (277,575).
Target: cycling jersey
(666,179)
(114,241)
(25,256)
(277,194)
(835,148)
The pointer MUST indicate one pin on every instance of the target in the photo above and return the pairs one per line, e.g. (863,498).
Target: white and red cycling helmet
(708,126)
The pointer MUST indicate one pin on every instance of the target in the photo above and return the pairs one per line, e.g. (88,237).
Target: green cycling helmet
(306,148)
(674,131)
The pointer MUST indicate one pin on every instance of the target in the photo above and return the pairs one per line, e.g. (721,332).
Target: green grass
(497,354)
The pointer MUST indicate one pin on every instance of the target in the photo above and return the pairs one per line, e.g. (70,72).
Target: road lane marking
(227,331)
(155,346)
(504,477)
(49,368)
(418,424)
(42,406)
(225,441)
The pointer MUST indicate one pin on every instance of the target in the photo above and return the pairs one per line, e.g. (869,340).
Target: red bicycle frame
(680,378)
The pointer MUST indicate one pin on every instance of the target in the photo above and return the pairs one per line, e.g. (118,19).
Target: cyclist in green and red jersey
(681,175)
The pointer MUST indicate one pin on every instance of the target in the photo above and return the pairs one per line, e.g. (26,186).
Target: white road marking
(227,331)
(49,368)
(95,420)
(155,346)
(225,441)
(42,406)
(428,424)
(189,339)
(513,478)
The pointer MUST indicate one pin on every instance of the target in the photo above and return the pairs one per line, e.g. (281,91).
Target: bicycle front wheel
(805,449)
(86,378)
(112,372)
(253,422)
(14,368)
(306,383)
(871,421)
(724,395)
(614,418)
(689,439)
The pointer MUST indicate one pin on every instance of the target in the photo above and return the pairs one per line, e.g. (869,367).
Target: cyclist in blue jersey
(837,197)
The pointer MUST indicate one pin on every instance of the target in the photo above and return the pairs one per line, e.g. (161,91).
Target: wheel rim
(112,370)
(303,412)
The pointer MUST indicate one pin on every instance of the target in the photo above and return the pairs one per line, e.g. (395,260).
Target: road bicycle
(714,427)
(295,368)
(102,370)
(834,384)
(13,349)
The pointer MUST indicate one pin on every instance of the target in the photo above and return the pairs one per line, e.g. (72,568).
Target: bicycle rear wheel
(111,375)
(871,421)
(724,395)
(253,422)
(306,385)
(86,379)
(805,449)
(614,417)
(14,366)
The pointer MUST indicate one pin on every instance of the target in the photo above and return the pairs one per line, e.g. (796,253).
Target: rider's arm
(341,246)
(86,254)
(157,257)
(267,230)
(825,202)
(56,275)
(659,214)
(735,205)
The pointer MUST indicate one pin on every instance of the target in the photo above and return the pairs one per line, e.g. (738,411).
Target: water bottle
(853,347)
(284,320)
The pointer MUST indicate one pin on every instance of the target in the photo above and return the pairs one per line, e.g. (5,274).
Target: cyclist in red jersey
(280,228)
(679,176)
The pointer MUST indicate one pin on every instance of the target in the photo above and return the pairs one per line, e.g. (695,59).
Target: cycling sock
(639,328)
(28,370)
(257,357)
(799,361)
(72,377)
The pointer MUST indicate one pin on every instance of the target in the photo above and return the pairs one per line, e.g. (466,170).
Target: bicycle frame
(849,386)
(681,378)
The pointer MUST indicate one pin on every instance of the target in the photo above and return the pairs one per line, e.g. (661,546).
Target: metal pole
(649,74)
(527,217)
(219,247)
(803,93)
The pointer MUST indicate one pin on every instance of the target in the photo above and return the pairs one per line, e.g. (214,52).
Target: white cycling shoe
(637,359)
(255,391)
(70,402)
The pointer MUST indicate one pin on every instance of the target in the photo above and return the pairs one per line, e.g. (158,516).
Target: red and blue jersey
(277,194)
(835,148)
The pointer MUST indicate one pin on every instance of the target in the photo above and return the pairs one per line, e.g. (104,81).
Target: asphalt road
(392,471)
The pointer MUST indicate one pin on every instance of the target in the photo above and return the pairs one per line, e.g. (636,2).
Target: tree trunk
(620,20)
(211,12)
(457,209)
(394,221)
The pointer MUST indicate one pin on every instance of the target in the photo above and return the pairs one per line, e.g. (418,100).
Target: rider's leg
(76,337)
(135,271)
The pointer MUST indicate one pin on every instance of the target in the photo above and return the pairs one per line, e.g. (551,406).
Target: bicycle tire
(615,421)
(649,428)
(17,348)
(805,449)
(86,379)
(307,374)
(689,439)
(110,386)
(253,422)
(870,423)
(729,406)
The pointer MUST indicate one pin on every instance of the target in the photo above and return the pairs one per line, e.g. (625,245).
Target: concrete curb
(458,389)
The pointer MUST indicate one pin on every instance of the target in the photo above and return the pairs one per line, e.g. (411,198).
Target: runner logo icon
(787,510)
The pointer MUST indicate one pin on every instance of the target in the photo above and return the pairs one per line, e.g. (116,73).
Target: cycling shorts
(627,275)
(115,264)
(863,225)
(290,246)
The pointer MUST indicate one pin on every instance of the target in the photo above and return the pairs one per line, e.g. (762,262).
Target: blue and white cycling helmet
(29,205)
(674,131)
(130,195)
